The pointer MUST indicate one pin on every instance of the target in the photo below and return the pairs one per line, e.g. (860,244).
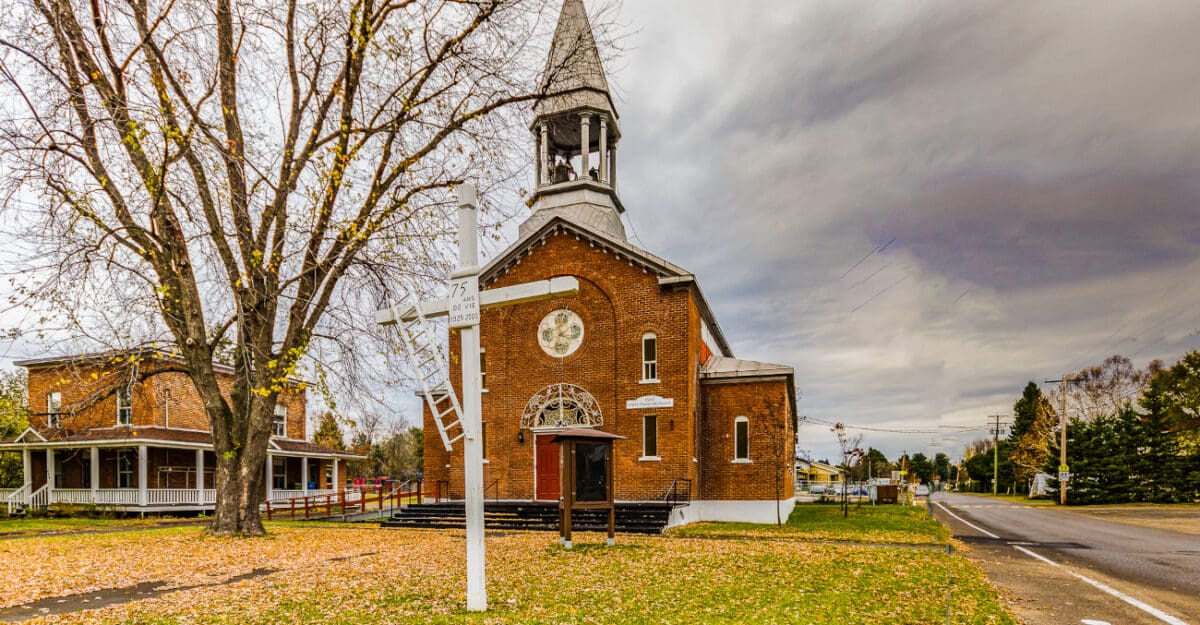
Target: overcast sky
(921,206)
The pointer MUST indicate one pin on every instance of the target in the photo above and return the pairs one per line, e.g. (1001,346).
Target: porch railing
(40,498)
(17,498)
(345,502)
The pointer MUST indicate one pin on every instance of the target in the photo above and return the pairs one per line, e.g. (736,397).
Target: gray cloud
(1034,163)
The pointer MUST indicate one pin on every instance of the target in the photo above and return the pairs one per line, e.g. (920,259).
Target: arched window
(649,357)
(741,439)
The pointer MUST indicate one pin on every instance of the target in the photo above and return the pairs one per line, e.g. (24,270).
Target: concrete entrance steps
(631,518)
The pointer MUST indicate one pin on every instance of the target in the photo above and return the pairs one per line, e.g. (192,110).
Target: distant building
(637,352)
(103,432)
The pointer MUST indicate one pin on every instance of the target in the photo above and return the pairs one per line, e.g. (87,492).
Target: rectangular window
(54,409)
(741,439)
(124,469)
(650,436)
(649,357)
(278,473)
(279,423)
(483,439)
(483,370)
(124,406)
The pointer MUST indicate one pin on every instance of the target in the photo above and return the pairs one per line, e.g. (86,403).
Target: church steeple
(575,132)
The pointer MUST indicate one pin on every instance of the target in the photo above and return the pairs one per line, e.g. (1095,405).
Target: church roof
(669,274)
(574,75)
(718,367)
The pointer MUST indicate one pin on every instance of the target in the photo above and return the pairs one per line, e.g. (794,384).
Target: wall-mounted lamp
(521,437)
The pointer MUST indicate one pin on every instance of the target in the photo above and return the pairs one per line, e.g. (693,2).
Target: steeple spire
(575,133)
(574,75)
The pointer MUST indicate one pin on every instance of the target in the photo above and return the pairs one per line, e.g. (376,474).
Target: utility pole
(996,456)
(1063,469)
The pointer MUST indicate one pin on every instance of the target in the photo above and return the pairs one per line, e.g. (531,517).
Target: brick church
(637,352)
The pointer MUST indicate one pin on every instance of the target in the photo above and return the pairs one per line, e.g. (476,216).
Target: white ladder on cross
(432,375)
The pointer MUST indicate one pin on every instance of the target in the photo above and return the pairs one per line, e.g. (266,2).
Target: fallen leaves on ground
(365,575)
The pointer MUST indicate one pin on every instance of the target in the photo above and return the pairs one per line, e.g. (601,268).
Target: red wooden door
(546,480)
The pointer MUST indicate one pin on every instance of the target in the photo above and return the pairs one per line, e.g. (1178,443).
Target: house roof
(124,434)
(669,274)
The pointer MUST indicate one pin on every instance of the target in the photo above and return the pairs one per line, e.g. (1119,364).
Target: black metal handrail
(680,491)
(495,484)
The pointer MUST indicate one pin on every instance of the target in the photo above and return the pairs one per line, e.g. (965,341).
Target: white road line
(1137,603)
(966,522)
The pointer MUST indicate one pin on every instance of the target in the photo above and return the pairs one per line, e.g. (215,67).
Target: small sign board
(896,475)
(650,401)
(1064,476)
(464,302)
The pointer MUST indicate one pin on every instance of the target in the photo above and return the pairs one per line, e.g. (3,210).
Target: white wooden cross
(463,307)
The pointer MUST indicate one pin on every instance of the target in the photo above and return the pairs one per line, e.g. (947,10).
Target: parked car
(817,489)
(922,490)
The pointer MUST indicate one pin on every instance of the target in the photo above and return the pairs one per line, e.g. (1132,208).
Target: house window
(649,357)
(741,440)
(124,469)
(483,369)
(279,423)
(483,439)
(124,406)
(650,436)
(54,409)
(278,473)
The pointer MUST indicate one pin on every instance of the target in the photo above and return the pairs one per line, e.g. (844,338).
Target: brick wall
(618,303)
(167,399)
(771,424)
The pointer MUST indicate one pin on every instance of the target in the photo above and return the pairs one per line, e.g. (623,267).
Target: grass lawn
(43,525)
(816,522)
(363,576)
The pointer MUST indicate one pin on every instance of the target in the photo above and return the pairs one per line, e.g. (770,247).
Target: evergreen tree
(329,432)
(1025,411)
(921,467)
(941,466)
(877,463)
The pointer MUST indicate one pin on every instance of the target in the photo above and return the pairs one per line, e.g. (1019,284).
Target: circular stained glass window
(560,333)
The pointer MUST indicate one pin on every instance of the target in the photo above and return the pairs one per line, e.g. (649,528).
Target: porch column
(27,466)
(143,459)
(200,476)
(94,469)
(337,485)
(270,475)
(304,475)
(50,469)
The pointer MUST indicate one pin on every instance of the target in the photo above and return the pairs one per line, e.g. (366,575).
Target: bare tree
(1104,389)
(246,178)
(850,447)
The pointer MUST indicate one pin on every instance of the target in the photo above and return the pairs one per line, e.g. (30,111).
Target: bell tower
(575,133)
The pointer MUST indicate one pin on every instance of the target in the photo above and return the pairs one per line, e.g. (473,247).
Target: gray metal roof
(574,75)
(718,367)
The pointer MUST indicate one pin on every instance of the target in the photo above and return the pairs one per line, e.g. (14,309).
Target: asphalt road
(1063,567)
